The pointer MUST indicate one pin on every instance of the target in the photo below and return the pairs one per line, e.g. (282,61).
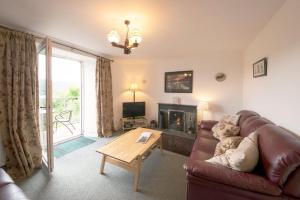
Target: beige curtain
(19,103)
(104,100)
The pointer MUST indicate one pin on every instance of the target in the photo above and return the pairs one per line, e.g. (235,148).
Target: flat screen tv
(133,109)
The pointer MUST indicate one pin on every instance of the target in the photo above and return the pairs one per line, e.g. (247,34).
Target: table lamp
(203,106)
(133,88)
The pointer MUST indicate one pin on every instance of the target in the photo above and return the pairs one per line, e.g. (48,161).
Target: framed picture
(179,82)
(260,68)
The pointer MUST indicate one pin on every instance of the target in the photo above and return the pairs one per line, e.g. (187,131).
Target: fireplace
(178,118)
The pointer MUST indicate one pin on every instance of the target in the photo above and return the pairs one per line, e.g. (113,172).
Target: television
(133,109)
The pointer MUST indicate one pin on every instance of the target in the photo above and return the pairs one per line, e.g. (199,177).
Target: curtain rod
(58,43)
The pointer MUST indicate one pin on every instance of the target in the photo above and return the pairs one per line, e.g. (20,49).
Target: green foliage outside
(68,100)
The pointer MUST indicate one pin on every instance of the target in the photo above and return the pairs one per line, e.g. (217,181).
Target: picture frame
(179,82)
(260,68)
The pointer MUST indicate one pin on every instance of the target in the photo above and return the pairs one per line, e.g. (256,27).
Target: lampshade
(133,86)
(134,36)
(113,36)
(203,105)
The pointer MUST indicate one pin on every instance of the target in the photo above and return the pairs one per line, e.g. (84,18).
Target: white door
(45,102)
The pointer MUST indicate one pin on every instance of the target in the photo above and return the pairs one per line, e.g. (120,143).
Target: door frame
(47,45)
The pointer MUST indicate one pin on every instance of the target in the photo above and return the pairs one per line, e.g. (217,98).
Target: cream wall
(224,97)
(276,96)
(89,98)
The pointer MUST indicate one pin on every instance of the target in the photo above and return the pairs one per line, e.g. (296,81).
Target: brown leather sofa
(8,189)
(277,175)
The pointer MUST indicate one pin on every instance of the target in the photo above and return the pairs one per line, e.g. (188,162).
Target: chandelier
(132,40)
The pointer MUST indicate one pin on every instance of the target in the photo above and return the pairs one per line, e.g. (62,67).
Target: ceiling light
(113,36)
(132,40)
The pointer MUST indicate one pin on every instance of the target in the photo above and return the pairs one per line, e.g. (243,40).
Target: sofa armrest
(224,175)
(207,124)
(4,178)
(12,192)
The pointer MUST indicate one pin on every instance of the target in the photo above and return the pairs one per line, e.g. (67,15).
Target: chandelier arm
(117,45)
(134,45)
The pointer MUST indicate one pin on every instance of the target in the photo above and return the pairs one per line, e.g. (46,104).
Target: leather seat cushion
(200,155)
(205,144)
(205,133)
(221,174)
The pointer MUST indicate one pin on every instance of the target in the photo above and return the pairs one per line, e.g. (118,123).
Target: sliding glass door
(66,94)
(45,102)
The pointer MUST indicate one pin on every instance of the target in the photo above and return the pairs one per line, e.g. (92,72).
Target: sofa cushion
(205,133)
(223,130)
(252,123)
(226,144)
(200,155)
(207,124)
(231,119)
(244,114)
(223,175)
(244,158)
(205,144)
(279,151)
(292,186)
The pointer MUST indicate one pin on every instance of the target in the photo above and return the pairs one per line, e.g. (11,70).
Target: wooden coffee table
(126,153)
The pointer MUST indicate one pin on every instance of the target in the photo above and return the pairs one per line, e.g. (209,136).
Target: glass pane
(42,102)
(66,98)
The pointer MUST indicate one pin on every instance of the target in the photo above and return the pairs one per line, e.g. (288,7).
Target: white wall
(224,97)
(276,96)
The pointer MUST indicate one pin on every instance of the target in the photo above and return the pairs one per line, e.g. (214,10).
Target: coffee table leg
(102,164)
(137,174)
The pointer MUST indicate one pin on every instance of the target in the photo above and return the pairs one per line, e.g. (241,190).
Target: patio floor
(62,133)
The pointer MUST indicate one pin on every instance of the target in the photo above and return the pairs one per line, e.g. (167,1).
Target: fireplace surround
(175,117)
(179,127)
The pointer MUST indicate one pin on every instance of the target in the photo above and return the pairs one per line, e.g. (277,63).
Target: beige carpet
(76,177)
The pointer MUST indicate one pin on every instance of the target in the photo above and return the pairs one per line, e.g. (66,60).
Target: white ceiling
(170,28)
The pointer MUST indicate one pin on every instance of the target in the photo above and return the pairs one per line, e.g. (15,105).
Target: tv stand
(132,123)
